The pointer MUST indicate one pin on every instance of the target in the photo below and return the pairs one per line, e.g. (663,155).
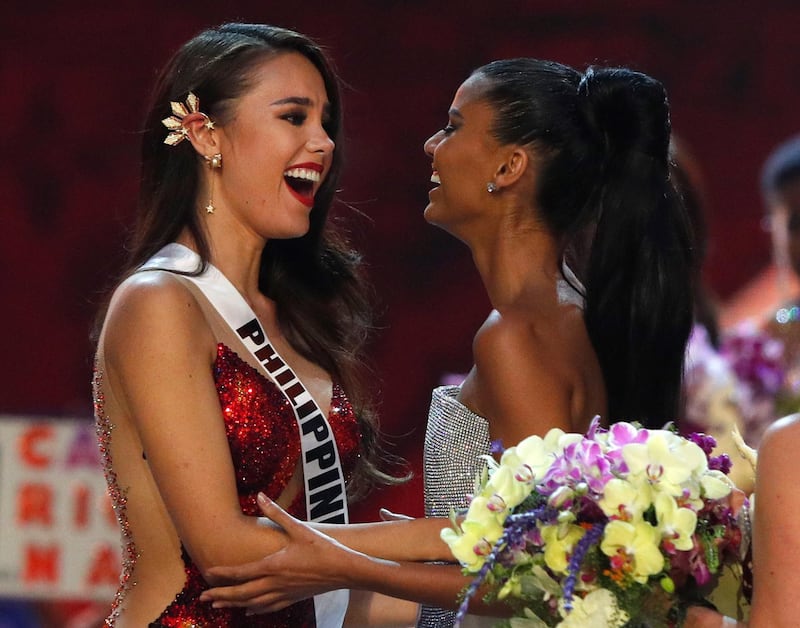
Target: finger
(264,603)
(278,515)
(241,573)
(388,515)
(738,498)
(238,592)
(270,608)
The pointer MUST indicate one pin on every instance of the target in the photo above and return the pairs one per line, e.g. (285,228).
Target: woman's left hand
(311,563)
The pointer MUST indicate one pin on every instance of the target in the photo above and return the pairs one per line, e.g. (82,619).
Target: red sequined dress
(265,448)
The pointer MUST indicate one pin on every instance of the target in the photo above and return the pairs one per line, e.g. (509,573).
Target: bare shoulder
(781,441)
(152,309)
(505,332)
(521,386)
(148,292)
(516,340)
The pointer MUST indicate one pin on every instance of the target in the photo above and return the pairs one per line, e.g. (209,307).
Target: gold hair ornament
(177,130)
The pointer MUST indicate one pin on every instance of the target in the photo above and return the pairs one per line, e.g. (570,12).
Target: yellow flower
(625,499)
(637,545)
(665,460)
(535,454)
(507,487)
(479,531)
(676,524)
(558,543)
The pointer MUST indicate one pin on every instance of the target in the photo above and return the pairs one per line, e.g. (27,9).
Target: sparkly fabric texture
(265,448)
(118,497)
(455,439)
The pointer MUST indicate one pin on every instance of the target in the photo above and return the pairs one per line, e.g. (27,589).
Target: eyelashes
(295,118)
(299,118)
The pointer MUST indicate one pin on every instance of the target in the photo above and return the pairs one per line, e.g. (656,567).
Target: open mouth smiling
(302,180)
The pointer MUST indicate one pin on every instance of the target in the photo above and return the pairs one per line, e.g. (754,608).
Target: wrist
(436,548)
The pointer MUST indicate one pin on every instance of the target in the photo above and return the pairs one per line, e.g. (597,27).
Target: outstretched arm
(312,563)
(400,539)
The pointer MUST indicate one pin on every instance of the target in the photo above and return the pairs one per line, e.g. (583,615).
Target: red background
(74,79)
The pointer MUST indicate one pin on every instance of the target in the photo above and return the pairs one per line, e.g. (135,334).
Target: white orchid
(599,609)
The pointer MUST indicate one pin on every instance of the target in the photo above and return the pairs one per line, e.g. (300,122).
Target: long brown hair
(323,302)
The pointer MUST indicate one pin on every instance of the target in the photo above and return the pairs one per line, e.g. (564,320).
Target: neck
(518,265)
(238,258)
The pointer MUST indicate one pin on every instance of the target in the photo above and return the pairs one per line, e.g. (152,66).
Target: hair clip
(177,130)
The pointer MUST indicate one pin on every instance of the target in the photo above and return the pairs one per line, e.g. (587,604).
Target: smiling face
(276,150)
(465,159)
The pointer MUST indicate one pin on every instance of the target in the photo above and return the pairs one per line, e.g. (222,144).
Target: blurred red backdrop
(75,77)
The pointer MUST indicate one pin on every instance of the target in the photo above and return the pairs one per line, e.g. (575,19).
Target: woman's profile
(228,355)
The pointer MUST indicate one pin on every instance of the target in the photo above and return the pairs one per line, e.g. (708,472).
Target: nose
(321,142)
(431,143)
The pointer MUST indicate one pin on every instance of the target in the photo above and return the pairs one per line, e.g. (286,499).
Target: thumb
(275,513)
(388,515)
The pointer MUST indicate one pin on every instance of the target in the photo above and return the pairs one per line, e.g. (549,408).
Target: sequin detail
(103,428)
(455,439)
(265,449)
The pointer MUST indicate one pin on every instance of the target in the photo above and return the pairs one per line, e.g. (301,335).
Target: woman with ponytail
(558,182)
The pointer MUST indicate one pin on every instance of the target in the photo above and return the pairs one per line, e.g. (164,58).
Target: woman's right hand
(311,563)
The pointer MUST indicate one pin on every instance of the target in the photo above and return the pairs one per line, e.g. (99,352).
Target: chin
(430,214)
(289,232)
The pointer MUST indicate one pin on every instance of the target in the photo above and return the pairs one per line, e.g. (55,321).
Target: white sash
(326,501)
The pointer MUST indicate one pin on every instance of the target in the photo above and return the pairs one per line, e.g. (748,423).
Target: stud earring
(214,162)
(491,187)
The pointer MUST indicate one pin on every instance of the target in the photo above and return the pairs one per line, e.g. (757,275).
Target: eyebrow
(293,100)
(455,113)
(302,101)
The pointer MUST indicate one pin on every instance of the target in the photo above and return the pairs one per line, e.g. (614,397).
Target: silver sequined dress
(455,440)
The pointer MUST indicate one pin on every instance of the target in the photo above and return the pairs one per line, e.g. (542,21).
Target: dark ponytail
(638,286)
(603,138)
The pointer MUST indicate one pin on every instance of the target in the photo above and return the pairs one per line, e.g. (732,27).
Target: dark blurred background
(75,77)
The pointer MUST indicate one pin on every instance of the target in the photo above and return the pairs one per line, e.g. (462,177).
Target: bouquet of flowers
(620,527)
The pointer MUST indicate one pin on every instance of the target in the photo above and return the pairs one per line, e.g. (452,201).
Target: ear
(513,167)
(201,134)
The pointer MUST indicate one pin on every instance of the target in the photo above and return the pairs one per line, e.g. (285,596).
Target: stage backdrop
(58,531)
(75,77)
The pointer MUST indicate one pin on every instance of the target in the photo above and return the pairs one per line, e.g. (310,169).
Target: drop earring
(214,162)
